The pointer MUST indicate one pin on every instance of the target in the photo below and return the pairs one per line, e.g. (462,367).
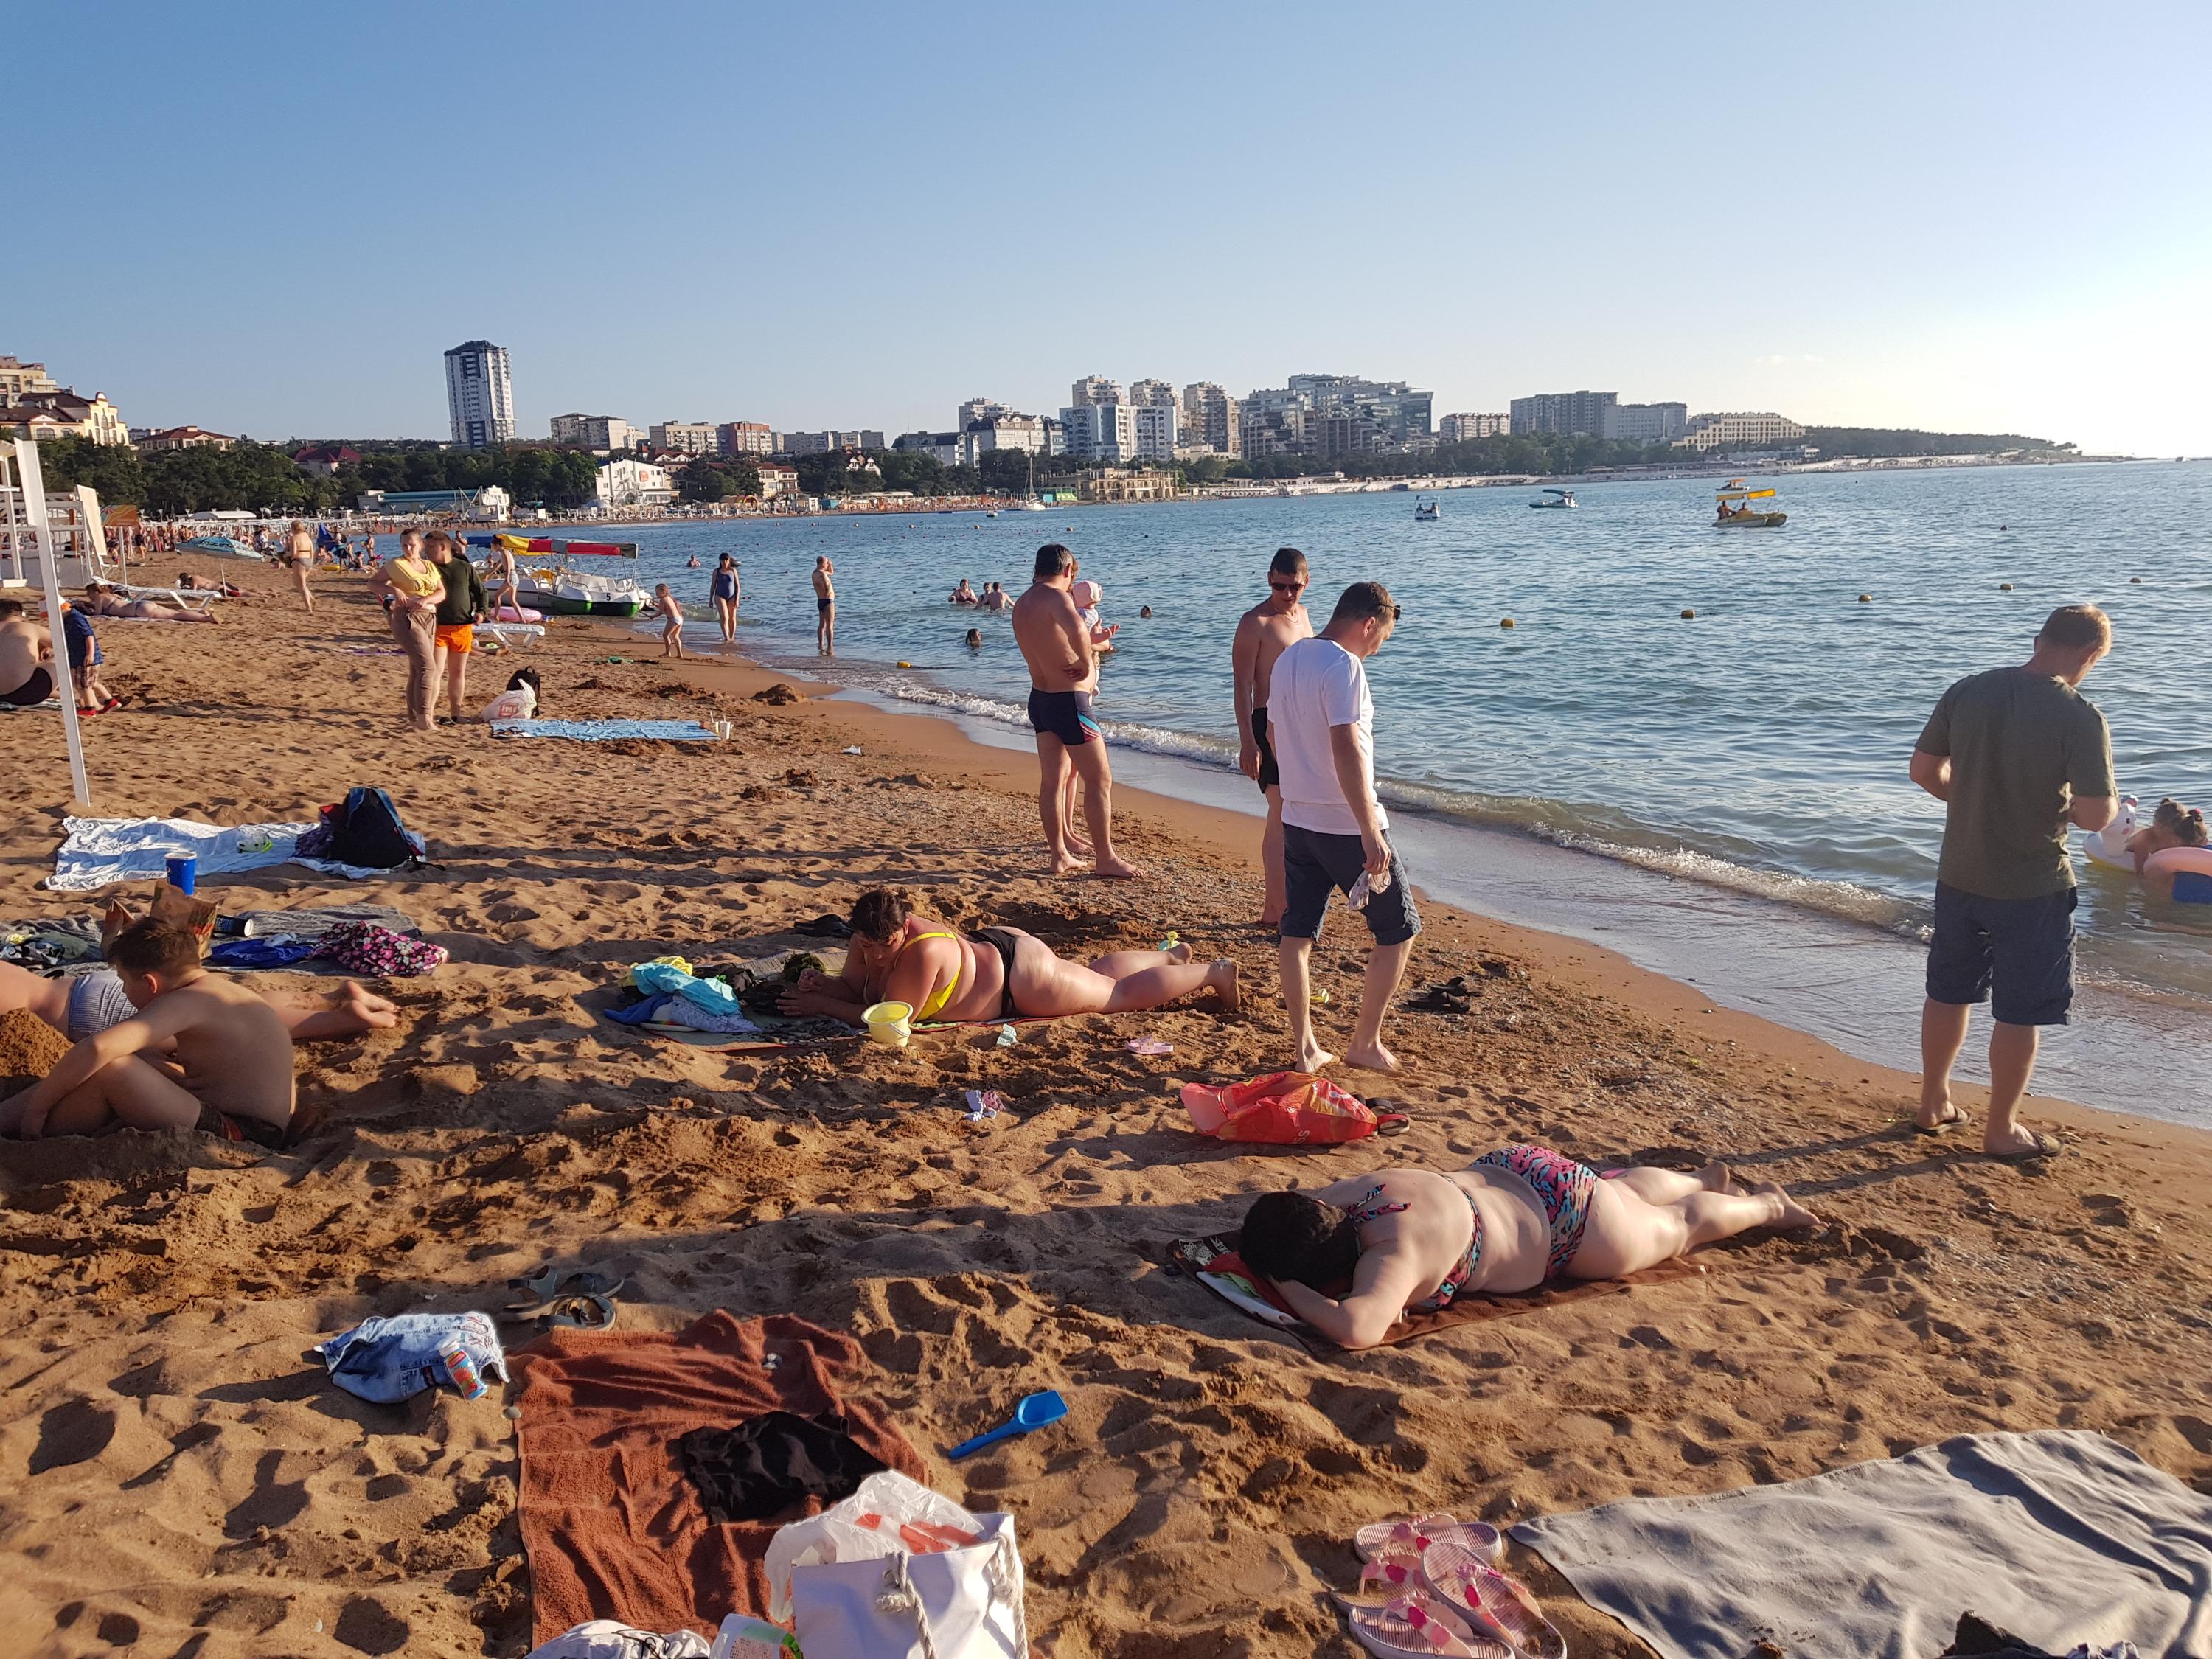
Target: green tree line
(1875,443)
(263,478)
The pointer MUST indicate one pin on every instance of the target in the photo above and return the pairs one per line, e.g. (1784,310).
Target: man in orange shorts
(459,612)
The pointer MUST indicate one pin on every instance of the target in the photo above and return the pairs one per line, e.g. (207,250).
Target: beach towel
(2062,1536)
(100,852)
(612,1526)
(1214,1263)
(605,731)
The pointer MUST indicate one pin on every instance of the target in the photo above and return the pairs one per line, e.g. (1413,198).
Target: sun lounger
(512,635)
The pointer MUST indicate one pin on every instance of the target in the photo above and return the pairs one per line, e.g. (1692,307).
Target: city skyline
(2024,248)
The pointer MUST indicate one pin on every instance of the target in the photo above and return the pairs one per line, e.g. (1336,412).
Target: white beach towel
(2061,1537)
(100,852)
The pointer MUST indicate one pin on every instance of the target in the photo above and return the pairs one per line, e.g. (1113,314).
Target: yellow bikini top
(935,1005)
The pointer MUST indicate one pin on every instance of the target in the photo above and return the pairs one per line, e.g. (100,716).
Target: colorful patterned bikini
(1562,1185)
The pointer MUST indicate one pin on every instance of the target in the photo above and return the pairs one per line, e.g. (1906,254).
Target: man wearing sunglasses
(1321,722)
(1263,634)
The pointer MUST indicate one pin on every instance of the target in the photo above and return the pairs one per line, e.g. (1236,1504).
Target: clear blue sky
(275,219)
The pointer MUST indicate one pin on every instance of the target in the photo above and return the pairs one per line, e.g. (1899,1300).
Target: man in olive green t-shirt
(2016,754)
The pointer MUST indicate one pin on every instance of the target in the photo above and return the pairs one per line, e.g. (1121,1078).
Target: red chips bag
(1285,1108)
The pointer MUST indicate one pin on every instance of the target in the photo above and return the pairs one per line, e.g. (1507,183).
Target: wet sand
(180,1477)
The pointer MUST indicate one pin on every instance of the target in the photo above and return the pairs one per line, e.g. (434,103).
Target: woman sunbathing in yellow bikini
(899,956)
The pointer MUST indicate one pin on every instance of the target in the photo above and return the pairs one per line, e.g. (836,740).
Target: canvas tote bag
(961,1603)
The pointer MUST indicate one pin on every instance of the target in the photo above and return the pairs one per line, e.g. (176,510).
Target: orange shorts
(460,637)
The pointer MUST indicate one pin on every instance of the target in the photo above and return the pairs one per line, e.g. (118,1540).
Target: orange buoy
(1689,616)
(1506,622)
(1866,599)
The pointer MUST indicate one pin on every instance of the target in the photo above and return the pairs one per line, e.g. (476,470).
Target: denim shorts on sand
(2022,949)
(1315,865)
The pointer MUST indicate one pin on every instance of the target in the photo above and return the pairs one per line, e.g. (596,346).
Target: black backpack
(366,830)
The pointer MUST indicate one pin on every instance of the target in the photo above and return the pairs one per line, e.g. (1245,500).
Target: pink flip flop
(1418,1626)
(1404,1540)
(1477,1591)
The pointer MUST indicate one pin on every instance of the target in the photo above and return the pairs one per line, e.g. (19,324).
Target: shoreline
(184,1480)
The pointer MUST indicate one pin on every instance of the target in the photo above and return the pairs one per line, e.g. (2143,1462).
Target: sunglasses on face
(1285,586)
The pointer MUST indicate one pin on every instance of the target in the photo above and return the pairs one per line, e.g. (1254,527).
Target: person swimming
(2171,826)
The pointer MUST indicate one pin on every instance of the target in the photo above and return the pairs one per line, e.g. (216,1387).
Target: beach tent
(37,521)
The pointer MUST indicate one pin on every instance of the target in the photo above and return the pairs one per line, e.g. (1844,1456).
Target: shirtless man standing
(300,554)
(24,679)
(203,1052)
(1063,659)
(1262,634)
(826,606)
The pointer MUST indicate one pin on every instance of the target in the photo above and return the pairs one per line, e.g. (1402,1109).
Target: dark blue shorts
(2022,949)
(1315,865)
(1066,715)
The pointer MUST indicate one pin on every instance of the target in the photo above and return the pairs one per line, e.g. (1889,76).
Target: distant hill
(1881,441)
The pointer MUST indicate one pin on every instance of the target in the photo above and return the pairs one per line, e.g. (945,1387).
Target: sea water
(1606,766)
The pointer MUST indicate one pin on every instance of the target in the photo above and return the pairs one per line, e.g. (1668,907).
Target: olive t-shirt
(464,594)
(2021,745)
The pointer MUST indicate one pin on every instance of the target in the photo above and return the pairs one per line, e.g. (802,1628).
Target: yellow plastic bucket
(890,1022)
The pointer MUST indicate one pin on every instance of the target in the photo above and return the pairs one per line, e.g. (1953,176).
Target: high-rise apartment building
(1210,418)
(1742,430)
(1095,389)
(1466,429)
(1564,414)
(595,432)
(1157,429)
(1101,432)
(1647,424)
(745,438)
(1386,414)
(1005,431)
(17,378)
(480,394)
(687,437)
(1151,394)
(978,409)
(821,443)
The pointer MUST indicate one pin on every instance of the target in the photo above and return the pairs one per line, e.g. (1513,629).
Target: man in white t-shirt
(1320,721)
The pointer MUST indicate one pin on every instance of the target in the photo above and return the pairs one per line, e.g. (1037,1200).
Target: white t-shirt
(1317,684)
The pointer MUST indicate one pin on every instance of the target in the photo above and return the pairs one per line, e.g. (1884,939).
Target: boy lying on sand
(202,1053)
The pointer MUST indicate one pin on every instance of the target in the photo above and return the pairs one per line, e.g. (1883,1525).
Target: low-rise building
(607,432)
(1005,430)
(1647,424)
(945,448)
(17,378)
(687,437)
(490,502)
(37,424)
(325,460)
(1127,484)
(821,443)
(745,437)
(185,437)
(777,479)
(632,483)
(1466,429)
(1740,429)
(979,408)
(93,419)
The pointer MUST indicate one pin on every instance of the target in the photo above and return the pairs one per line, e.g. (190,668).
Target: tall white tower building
(480,392)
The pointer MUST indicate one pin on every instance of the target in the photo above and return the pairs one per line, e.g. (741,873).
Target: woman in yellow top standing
(412,586)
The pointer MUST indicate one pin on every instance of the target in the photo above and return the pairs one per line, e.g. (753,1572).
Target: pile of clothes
(674,991)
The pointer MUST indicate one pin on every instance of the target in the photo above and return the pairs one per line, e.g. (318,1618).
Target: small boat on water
(1425,510)
(1733,510)
(1560,498)
(561,590)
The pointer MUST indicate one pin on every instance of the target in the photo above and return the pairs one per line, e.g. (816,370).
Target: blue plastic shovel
(1033,1413)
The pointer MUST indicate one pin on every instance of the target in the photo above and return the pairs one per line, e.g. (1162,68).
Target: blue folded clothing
(260,952)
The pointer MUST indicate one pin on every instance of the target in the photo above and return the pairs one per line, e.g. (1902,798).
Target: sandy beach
(180,1479)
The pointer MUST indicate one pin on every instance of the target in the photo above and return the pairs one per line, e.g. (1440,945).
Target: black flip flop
(1941,1127)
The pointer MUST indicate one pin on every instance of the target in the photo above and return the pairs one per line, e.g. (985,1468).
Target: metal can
(460,1369)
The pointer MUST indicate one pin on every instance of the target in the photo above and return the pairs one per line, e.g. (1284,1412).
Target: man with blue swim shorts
(1062,654)
(2017,756)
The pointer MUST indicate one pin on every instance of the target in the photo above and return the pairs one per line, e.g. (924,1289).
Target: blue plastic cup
(184,873)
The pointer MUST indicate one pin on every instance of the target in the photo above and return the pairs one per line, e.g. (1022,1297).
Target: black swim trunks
(1066,715)
(1269,777)
(1003,942)
(821,604)
(35,690)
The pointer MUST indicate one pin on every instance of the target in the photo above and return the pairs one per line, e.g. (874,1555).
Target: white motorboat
(1560,498)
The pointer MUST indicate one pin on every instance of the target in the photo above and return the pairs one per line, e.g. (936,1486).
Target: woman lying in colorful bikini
(1409,1240)
(1002,973)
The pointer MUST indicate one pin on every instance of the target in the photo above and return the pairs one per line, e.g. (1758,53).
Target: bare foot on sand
(1377,1059)
(1178,952)
(1115,869)
(1067,864)
(1717,1177)
(1794,1215)
(1222,981)
(1312,1058)
(1079,845)
(377,1013)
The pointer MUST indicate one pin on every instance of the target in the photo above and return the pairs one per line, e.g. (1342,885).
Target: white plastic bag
(961,1603)
(838,1532)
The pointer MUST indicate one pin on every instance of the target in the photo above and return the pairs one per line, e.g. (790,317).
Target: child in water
(671,614)
(2172,825)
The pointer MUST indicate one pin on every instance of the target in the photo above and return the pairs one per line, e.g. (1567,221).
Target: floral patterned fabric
(1564,1186)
